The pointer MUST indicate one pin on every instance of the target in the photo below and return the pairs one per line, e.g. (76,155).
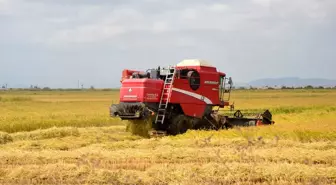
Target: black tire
(179,125)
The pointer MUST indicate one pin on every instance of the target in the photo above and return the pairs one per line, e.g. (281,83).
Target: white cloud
(219,7)
(96,23)
(105,26)
(87,34)
(160,26)
(265,3)
(189,14)
(6,7)
(264,33)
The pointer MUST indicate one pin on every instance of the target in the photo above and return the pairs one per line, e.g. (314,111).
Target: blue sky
(56,43)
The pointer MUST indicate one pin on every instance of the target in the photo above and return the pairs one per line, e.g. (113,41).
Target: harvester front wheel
(179,125)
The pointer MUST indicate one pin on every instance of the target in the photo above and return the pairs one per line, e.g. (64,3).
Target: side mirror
(230,81)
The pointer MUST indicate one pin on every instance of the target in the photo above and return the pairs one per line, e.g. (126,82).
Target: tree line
(289,87)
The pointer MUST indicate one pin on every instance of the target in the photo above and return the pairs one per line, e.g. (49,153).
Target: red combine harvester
(181,97)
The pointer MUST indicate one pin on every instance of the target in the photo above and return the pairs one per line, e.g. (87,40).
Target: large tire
(179,125)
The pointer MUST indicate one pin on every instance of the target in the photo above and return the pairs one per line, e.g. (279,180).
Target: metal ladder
(165,96)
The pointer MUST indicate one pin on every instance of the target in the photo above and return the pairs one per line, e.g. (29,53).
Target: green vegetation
(67,137)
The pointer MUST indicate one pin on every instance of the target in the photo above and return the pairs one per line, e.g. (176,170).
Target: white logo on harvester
(211,82)
(197,96)
(130,90)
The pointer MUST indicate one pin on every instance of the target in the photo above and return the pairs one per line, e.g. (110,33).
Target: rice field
(67,137)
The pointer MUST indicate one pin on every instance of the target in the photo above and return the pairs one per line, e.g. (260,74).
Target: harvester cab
(181,97)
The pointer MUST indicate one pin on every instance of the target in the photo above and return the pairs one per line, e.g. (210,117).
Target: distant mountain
(292,82)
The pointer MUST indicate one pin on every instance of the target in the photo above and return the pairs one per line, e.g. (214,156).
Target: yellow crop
(61,137)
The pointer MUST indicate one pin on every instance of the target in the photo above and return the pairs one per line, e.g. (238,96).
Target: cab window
(194,80)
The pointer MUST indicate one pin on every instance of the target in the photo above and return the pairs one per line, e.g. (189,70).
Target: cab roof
(194,62)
